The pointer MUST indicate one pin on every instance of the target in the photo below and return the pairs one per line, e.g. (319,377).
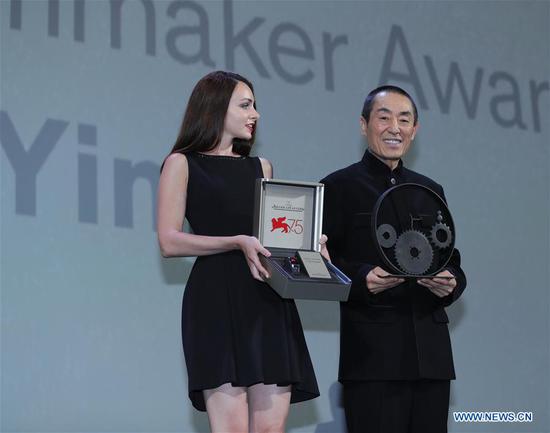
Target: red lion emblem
(279,223)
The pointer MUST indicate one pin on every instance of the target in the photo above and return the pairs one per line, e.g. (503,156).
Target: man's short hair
(369,101)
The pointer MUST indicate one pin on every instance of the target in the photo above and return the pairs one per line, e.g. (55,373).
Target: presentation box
(288,219)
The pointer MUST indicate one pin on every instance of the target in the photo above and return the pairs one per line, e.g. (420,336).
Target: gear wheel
(441,235)
(413,252)
(386,235)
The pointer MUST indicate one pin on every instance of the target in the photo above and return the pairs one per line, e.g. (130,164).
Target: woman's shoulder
(267,168)
(175,162)
(176,158)
(265,162)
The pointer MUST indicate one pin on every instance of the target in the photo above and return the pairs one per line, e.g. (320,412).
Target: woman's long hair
(202,126)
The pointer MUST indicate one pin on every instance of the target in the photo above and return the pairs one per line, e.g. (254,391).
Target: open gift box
(288,219)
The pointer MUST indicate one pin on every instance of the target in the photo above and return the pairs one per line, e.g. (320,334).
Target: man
(395,353)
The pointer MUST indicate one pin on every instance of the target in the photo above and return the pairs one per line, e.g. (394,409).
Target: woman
(244,346)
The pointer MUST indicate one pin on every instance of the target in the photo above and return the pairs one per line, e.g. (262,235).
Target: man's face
(390,128)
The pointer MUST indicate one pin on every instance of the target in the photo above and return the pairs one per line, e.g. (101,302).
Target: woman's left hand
(324,250)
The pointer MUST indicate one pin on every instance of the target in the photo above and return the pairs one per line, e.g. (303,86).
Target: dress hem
(297,395)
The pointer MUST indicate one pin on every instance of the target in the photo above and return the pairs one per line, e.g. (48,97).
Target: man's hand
(376,283)
(440,287)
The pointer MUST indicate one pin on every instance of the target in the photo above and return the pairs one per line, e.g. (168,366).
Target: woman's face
(241,116)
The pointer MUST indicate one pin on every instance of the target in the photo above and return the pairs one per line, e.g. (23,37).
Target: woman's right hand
(324,251)
(251,248)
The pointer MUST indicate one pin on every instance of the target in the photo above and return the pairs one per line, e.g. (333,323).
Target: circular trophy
(413,230)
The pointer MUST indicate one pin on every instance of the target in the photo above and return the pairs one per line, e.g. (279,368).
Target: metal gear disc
(413,252)
(386,235)
(441,235)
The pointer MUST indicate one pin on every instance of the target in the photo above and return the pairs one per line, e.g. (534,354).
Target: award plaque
(413,230)
(287,221)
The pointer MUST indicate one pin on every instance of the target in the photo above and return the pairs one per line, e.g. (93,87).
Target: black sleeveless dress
(235,329)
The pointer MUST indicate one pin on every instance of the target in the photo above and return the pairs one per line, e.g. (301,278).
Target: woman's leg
(227,409)
(268,407)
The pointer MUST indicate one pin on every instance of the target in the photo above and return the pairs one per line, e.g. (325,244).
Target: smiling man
(395,352)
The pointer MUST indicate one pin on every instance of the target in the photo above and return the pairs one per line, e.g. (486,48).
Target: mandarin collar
(374,165)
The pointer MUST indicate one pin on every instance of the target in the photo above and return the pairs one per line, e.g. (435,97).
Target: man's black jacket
(398,334)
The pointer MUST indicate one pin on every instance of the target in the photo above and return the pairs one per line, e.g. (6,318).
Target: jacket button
(393,181)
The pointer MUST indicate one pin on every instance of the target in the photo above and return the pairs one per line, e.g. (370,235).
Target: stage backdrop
(92,94)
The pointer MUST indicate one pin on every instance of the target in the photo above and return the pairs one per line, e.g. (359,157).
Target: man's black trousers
(418,406)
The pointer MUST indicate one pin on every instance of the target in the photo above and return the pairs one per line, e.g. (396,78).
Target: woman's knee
(267,424)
